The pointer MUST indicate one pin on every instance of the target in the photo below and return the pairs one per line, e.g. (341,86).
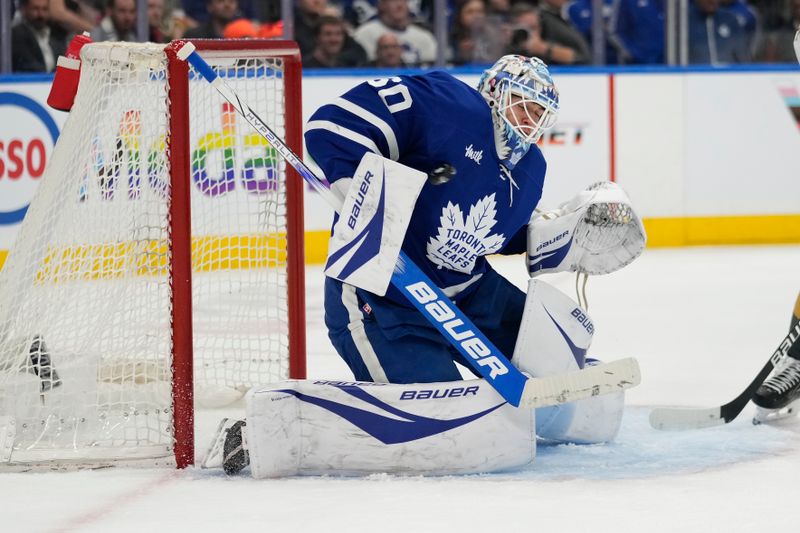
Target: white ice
(702,321)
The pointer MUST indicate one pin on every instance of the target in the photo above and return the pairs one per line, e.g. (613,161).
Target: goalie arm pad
(597,232)
(378,203)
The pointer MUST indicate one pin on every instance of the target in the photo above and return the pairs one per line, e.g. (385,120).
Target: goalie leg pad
(553,338)
(354,428)
(590,421)
(554,333)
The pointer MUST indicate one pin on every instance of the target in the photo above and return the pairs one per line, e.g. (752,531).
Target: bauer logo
(27,138)
(367,243)
(455,329)
(384,421)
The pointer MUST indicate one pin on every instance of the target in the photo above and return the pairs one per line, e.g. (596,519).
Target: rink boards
(708,157)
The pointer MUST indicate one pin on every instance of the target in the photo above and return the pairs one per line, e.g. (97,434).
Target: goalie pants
(383,341)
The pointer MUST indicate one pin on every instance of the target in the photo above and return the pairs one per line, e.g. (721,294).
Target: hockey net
(161,254)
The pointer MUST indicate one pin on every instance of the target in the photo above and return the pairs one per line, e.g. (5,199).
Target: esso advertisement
(28,133)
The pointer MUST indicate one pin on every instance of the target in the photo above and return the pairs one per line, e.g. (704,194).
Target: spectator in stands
(329,50)
(779,29)
(240,29)
(220,14)
(196,11)
(176,22)
(271,29)
(637,31)
(306,15)
(476,38)
(419,44)
(747,19)
(155,18)
(499,8)
(119,24)
(357,12)
(36,47)
(770,13)
(715,36)
(526,38)
(558,30)
(389,53)
(580,14)
(73,16)
(422,11)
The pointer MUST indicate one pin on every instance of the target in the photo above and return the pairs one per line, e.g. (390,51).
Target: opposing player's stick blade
(681,418)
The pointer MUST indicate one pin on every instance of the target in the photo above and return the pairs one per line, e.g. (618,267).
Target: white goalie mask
(516,80)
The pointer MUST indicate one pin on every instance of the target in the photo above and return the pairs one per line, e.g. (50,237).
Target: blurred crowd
(399,33)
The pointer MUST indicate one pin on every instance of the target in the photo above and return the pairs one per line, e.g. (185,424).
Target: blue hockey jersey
(424,122)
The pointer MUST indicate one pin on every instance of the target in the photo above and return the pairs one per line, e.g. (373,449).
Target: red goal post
(180,161)
(160,264)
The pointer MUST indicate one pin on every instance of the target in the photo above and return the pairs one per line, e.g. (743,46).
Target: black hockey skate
(235,456)
(42,365)
(776,397)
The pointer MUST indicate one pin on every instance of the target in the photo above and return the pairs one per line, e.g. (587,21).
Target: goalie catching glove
(597,232)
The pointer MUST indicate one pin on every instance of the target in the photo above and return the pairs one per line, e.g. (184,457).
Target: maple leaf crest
(460,241)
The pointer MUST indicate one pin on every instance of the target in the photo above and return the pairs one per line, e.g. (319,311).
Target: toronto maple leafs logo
(460,241)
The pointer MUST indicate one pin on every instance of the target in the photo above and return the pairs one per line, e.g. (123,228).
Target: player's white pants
(554,335)
(351,428)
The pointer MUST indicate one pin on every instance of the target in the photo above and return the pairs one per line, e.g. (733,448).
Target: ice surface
(702,321)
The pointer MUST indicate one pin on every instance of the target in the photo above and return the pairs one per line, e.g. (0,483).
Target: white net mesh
(85,336)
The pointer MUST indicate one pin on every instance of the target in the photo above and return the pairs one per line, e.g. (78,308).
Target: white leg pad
(349,428)
(590,421)
(554,333)
(554,336)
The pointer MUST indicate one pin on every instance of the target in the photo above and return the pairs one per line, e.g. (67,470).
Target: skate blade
(776,416)
(215,451)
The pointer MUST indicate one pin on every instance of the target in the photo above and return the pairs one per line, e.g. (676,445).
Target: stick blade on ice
(683,418)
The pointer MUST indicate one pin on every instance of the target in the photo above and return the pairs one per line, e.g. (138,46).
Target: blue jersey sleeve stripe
(348,134)
(374,120)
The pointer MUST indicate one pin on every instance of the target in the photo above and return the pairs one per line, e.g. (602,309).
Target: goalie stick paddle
(683,418)
(516,388)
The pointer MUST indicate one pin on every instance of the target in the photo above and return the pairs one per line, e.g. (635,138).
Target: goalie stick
(516,388)
(682,418)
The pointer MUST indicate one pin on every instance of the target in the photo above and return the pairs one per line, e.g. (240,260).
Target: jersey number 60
(399,95)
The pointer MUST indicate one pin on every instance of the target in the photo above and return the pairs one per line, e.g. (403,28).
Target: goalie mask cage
(160,259)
